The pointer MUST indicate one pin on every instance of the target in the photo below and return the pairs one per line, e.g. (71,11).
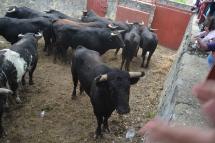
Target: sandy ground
(73,121)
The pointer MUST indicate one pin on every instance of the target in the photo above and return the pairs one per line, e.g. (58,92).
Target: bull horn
(101,78)
(112,26)
(142,23)
(153,29)
(12,10)
(5,91)
(46,11)
(38,34)
(113,34)
(121,31)
(20,35)
(129,22)
(136,74)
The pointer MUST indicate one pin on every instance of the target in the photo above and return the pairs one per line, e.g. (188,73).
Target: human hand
(205,92)
(157,130)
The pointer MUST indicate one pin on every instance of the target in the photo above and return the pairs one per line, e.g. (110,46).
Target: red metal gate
(99,6)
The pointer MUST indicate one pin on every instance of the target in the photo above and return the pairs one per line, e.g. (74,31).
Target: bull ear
(38,35)
(101,78)
(5,91)
(135,76)
(20,35)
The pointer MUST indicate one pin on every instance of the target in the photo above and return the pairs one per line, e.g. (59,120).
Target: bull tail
(53,36)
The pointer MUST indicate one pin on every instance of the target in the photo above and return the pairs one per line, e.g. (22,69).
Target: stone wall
(146,7)
(70,7)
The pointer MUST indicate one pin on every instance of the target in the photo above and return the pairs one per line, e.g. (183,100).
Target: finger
(150,125)
(209,109)
(204,91)
(164,133)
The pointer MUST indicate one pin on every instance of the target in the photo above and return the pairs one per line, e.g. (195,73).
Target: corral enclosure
(66,120)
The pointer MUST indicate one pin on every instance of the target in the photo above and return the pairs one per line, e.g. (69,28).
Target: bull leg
(122,63)
(14,87)
(75,83)
(23,80)
(116,52)
(136,52)
(127,65)
(148,59)
(99,123)
(47,40)
(143,56)
(105,124)
(45,49)
(81,89)
(2,131)
(64,55)
(31,73)
(55,49)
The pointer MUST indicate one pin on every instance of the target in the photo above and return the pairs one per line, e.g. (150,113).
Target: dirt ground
(73,121)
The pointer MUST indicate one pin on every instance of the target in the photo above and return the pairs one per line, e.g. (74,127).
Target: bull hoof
(47,54)
(3,133)
(18,100)
(74,97)
(146,66)
(142,66)
(45,49)
(105,130)
(98,136)
(31,82)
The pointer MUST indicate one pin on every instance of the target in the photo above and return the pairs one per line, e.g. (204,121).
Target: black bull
(28,13)
(107,88)
(10,28)
(98,39)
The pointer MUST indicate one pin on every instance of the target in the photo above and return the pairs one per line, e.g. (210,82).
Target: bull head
(84,12)
(12,10)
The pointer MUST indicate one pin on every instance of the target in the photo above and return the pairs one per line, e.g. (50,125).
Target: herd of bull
(89,37)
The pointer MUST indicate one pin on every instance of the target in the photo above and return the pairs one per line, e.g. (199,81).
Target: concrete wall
(70,7)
